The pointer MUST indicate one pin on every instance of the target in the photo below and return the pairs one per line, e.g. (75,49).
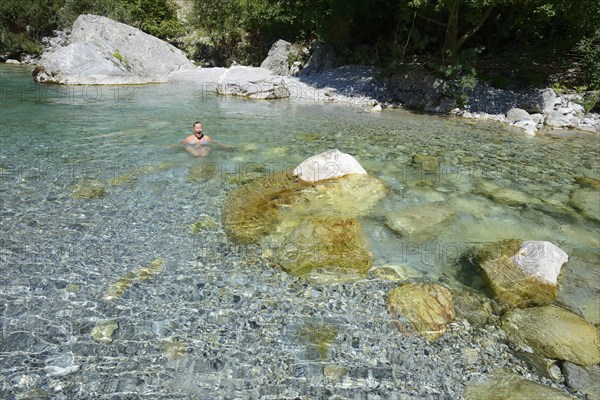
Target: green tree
(462,20)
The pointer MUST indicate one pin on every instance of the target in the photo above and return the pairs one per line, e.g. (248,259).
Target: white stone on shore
(11,61)
(327,165)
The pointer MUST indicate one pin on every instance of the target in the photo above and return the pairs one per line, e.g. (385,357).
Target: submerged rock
(317,339)
(312,227)
(502,385)
(555,333)
(522,273)
(419,223)
(504,195)
(104,330)
(426,162)
(118,289)
(325,249)
(588,182)
(587,202)
(475,308)
(89,190)
(422,307)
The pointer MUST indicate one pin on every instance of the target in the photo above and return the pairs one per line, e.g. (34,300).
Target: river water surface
(92,192)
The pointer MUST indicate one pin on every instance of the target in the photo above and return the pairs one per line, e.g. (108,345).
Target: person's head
(197,127)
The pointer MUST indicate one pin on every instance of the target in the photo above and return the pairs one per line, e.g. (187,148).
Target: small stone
(517,114)
(334,372)
(61,365)
(575,376)
(104,330)
(422,307)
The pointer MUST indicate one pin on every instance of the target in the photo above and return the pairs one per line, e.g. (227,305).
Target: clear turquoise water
(56,138)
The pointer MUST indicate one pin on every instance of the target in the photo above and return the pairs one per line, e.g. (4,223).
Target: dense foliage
(528,39)
(453,36)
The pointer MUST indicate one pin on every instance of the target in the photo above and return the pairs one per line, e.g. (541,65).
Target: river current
(93,192)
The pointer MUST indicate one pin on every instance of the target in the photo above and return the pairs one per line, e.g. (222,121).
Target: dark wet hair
(197,122)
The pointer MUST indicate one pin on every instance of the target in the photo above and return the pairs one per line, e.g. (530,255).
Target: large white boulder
(327,165)
(277,59)
(103,51)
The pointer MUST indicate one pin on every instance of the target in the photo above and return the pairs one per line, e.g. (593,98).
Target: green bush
(589,50)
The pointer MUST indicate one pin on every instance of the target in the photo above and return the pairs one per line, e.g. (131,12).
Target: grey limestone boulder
(256,83)
(557,119)
(277,59)
(103,51)
(517,114)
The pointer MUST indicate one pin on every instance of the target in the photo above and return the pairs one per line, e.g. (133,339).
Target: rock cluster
(530,110)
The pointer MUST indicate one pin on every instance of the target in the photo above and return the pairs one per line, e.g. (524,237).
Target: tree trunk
(452,45)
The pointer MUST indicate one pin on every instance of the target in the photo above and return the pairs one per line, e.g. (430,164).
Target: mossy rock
(251,211)
(104,330)
(203,224)
(420,223)
(507,282)
(89,190)
(426,162)
(175,348)
(586,202)
(324,249)
(588,182)
(555,333)
(503,385)
(202,172)
(475,308)
(131,175)
(118,288)
(317,339)
(307,137)
(312,227)
(504,195)
(424,308)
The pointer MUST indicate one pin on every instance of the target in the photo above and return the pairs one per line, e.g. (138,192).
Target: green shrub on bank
(589,49)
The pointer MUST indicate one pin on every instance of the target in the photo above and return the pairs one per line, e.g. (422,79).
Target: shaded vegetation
(530,42)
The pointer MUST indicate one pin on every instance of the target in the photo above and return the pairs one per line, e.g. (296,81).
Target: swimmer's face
(198,129)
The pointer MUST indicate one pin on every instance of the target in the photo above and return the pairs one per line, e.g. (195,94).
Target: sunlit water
(60,253)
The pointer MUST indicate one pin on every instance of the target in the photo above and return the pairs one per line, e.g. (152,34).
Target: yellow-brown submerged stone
(507,282)
(555,333)
(503,385)
(327,245)
(422,307)
(118,289)
(313,228)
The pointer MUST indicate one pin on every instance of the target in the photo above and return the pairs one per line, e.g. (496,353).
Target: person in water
(195,144)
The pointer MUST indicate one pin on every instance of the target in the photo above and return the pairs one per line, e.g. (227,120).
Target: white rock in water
(541,259)
(327,165)
(11,61)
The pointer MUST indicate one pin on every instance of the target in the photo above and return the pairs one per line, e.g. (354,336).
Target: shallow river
(92,191)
